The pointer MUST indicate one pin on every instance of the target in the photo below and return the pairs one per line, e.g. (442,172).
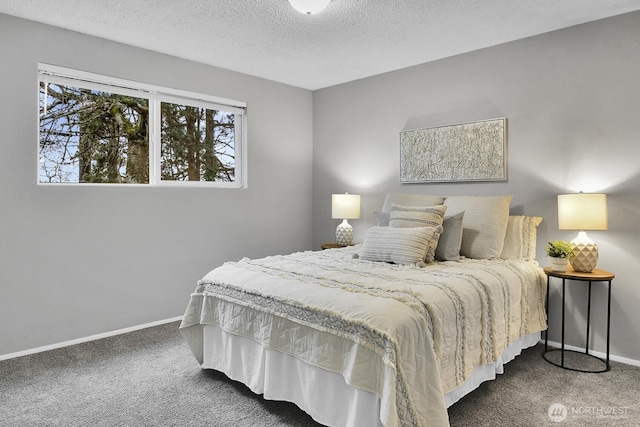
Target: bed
(439,296)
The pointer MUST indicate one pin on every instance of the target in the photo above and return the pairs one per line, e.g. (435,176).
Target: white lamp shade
(345,206)
(582,211)
(309,7)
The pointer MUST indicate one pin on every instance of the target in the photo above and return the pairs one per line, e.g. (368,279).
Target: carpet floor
(150,378)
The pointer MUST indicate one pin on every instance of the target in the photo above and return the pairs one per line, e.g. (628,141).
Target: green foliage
(197,144)
(92,136)
(100,137)
(558,249)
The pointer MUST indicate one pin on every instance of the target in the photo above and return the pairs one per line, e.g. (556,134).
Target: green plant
(558,249)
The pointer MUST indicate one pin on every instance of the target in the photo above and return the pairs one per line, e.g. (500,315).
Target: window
(198,144)
(96,130)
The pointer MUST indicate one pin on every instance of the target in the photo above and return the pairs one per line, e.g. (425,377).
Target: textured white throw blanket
(407,334)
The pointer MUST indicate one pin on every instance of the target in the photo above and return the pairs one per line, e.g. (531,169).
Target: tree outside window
(90,135)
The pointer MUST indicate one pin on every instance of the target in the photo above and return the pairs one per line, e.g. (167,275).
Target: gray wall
(571,98)
(77,261)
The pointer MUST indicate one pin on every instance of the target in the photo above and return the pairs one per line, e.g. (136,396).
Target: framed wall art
(475,151)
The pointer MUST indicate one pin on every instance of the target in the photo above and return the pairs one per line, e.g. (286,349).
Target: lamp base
(584,253)
(344,233)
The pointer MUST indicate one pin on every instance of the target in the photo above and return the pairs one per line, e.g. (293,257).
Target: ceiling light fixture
(309,7)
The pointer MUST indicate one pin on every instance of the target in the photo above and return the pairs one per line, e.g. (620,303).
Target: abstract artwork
(466,152)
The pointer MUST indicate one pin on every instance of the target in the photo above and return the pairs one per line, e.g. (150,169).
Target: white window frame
(48,73)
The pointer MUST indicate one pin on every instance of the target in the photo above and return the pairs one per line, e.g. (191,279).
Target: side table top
(578,275)
(334,245)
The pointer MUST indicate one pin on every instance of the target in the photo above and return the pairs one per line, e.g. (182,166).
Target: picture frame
(474,151)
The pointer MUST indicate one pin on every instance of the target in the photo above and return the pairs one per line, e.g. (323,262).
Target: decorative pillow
(416,216)
(529,236)
(405,246)
(450,240)
(405,199)
(512,239)
(520,238)
(485,223)
(382,218)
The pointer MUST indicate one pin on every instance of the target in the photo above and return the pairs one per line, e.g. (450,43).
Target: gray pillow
(450,241)
(382,218)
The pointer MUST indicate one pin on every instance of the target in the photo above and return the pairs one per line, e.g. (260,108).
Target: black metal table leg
(546,334)
(562,345)
(594,276)
(586,348)
(608,325)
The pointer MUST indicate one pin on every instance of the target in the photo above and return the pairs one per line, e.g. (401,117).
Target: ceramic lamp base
(344,233)
(584,255)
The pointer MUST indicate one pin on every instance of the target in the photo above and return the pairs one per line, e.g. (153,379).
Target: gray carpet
(150,378)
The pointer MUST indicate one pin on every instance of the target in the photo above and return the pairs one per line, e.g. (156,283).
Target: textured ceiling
(350,39)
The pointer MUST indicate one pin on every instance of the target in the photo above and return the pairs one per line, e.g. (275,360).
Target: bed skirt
(322,394)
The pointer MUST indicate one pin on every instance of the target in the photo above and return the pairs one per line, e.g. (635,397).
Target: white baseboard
(599,354)
(87,339)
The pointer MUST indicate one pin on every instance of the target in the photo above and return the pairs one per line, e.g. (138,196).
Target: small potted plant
(558,252)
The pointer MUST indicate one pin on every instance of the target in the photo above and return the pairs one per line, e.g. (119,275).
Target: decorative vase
(559,264)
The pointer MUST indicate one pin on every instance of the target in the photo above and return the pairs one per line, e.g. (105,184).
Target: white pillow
(417,216)
(520,238)
(405,246)
(485,223)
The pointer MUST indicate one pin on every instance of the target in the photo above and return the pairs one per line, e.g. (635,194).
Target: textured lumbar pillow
(406,199)
(405,246)
(418,216)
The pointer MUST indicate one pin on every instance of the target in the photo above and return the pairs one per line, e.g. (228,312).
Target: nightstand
(333,246)
(595,276)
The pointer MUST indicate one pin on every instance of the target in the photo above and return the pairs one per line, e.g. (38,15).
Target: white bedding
(322,394)
(405,335)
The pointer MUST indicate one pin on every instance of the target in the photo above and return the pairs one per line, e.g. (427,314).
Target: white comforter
(407,334)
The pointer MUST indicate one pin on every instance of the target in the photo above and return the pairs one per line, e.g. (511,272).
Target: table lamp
(583,212)
(345,206)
